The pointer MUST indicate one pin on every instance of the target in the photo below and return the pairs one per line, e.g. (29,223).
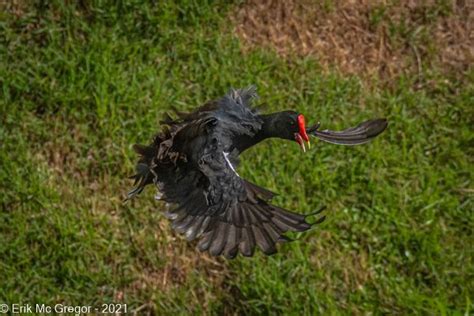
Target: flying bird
(193,162)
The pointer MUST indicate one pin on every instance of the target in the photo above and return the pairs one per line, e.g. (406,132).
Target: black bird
(193,163)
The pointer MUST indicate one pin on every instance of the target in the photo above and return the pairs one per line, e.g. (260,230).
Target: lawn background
(82,82)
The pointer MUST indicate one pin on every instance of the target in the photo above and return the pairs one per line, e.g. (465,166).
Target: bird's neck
(268,129)
(270,126)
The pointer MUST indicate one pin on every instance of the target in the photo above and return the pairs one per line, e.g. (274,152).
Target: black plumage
(192,162)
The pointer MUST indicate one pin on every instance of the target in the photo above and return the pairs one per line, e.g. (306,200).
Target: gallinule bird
(193,160)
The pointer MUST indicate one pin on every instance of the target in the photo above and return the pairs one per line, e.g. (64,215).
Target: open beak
(301,137)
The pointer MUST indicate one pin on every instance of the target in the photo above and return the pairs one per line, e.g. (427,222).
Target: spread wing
(228,213)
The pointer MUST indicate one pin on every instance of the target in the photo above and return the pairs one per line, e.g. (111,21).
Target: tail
(361,134)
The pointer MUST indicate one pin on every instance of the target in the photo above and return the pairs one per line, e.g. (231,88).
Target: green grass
(81,84)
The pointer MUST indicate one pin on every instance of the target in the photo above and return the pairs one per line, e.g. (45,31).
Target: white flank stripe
(228,162)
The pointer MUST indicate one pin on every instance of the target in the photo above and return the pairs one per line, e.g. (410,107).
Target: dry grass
(381,38)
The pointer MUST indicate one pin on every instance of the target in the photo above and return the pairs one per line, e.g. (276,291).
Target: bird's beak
(300,141)
(301,136)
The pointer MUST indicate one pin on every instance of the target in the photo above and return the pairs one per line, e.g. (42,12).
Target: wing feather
(247,245)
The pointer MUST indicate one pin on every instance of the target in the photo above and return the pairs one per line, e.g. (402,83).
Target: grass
(83,83)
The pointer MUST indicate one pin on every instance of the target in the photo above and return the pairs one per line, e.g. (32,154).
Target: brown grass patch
(15,7)
(381,38)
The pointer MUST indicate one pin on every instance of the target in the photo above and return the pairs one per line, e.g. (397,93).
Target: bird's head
(291,125)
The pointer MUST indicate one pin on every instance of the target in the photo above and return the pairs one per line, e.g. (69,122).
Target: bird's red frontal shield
(302,133)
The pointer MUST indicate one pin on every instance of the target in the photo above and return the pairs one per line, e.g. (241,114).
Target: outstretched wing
(361,134)
(228,213)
